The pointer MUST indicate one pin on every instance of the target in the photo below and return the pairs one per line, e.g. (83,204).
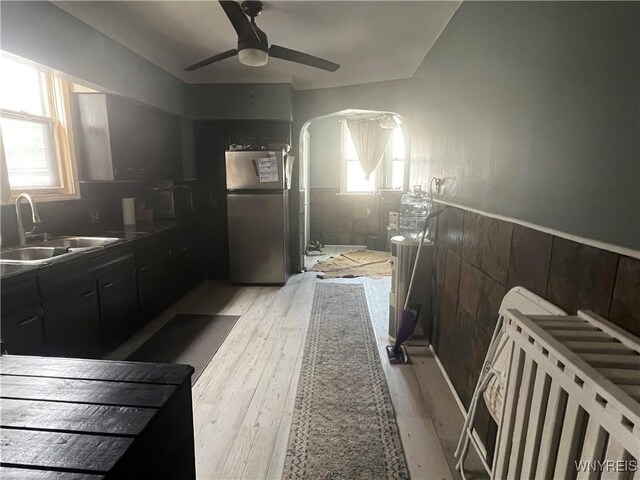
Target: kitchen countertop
(125,235)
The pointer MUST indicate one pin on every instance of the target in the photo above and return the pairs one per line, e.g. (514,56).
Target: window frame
(389,161)
(383,174)
(58,103)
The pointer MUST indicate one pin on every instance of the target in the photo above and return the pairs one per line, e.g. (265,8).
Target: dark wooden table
(68,418)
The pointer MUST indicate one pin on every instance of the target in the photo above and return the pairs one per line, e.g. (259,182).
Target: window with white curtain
(36,132)
(388,174)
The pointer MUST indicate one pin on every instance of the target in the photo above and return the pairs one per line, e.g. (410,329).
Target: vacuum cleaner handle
(427,221)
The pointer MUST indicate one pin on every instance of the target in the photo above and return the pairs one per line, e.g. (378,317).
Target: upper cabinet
(121,139)
(258,132)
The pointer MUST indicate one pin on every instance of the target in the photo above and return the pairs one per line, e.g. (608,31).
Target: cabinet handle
(188,247)
(88,294)
(143,268)
(27,321)
(107,285)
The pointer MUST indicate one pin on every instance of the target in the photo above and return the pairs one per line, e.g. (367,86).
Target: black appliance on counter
(171,201)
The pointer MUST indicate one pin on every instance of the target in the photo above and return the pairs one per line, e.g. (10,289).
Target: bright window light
(355,178)
(397,159)
(22,88)
(388,174)
(34,130)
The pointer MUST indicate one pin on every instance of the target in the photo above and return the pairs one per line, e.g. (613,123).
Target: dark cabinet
(22,326)
(154,282)
(89,306)
(121,139)
(72,315)
(258,132)
(118,300)
(186,261)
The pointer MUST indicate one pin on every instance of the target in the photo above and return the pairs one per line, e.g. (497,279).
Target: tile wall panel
(348,219)
(625,306)
(472,237)
(529,260)
(486,257)
(581,277)
(496,248)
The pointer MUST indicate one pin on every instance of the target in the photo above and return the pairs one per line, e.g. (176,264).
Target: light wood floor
(243,401)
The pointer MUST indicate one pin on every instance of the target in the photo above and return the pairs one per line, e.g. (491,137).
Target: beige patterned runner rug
(343,425)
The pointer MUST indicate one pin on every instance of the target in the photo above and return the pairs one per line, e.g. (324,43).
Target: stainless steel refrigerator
(258,184)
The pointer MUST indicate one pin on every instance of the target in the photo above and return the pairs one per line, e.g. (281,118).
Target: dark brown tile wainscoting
(478,259)
(348,219)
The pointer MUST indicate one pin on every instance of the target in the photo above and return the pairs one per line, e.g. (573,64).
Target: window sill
(42,198)
(354,194)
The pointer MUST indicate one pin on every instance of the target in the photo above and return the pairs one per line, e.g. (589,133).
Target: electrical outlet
(368,212)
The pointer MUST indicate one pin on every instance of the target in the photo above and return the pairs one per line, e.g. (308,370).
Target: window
(388,174)
(395,164)
(36,135)
(353,175)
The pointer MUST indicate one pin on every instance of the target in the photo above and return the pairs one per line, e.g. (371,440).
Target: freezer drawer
(258,238)
(259,170)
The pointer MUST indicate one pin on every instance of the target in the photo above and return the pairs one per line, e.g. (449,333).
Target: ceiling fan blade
(210,60)
(238,19)
(304,58)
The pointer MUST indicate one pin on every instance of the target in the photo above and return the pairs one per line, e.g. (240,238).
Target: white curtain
(370,141)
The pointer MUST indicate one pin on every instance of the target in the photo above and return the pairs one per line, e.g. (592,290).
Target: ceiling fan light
(253,57)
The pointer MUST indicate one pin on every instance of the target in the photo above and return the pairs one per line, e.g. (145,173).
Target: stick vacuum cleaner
(397,353)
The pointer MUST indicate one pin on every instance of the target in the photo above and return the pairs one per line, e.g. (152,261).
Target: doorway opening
(344,209)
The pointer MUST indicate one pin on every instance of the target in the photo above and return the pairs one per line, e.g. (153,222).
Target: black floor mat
(188,339)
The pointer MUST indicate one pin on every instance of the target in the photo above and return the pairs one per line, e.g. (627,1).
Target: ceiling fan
(253,48)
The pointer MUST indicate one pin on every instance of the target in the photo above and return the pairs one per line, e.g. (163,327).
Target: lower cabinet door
(154,287)
(23,332)
(72,319)
(118,305)
(21,327)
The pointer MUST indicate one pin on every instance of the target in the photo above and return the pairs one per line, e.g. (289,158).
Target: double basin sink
(52,250)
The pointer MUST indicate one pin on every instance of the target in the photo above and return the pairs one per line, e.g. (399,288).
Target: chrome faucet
(34,217)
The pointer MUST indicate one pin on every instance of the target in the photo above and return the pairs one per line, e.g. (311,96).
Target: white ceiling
(371,40)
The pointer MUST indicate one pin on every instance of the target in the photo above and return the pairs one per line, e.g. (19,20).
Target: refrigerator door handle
(255,166)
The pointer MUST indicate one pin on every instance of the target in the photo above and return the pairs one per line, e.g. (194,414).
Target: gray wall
(269,101)
(43,33)
(324,155)
(532,110)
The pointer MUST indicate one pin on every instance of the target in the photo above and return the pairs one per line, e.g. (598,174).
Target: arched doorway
(392,175)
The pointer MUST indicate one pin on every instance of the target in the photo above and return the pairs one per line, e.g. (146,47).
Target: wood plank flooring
(243,401)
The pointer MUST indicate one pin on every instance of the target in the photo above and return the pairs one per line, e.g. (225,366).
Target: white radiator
(572,402)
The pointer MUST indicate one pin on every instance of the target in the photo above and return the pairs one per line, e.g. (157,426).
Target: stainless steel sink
(79,242)
(30,255)
(52,250)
